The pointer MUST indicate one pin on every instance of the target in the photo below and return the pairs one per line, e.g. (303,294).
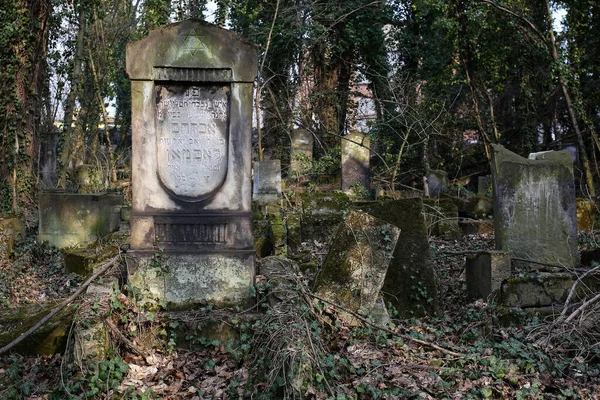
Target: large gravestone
(534,207)
(355,163)
(191,85)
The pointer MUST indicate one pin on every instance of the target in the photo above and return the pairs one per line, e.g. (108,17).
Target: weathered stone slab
(293,228)
(48,165)
(48,339)
(537,291)
(301,152)
(437,182)
(534,206)
(410,283)
(267,182)
(187,279)
(67,219)
(355,163)
(192,88)
(485,273)
(355,269)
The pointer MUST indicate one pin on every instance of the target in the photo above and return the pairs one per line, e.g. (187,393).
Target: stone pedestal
(191,163)
(485,273)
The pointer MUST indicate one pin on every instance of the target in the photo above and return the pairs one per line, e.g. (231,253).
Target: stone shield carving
(192,143)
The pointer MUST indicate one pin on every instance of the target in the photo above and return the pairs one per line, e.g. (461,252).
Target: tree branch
(62,305)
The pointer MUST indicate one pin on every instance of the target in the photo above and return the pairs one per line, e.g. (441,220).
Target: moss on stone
(263,246)
(83,260)
(356,265)
(322,214)
(536,290)
(49,339)
(410,284)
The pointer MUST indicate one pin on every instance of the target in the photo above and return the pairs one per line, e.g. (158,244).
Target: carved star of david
(193,43)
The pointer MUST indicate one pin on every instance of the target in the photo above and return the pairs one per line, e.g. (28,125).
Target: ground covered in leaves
(35,274)
(297,344)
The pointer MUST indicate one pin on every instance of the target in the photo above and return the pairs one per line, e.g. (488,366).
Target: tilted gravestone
(301,152)
(355,162)
(191,85)
(410,283)
(356,266)
(535,215)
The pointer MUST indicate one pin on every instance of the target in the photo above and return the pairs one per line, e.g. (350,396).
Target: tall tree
(24,30)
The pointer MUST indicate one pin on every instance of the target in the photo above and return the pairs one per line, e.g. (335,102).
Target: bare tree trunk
(68,140)
(259,87)
(589,179)
(109,149)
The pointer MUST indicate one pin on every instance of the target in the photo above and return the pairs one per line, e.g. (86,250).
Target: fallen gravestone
(534,207)
(191,85)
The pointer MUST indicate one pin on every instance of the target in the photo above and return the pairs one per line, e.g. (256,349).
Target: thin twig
(391,332)
(62,305)
(121,337)
(582,307)
(563,314)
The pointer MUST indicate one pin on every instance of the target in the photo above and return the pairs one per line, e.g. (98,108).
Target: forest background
(446,79)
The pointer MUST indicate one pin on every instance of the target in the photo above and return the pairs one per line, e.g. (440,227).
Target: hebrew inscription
(192,143)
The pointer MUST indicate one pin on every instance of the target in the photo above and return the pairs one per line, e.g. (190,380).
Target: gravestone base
(186,280)
(485,273)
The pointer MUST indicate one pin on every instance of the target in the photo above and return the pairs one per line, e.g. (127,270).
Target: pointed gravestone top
(192,50)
